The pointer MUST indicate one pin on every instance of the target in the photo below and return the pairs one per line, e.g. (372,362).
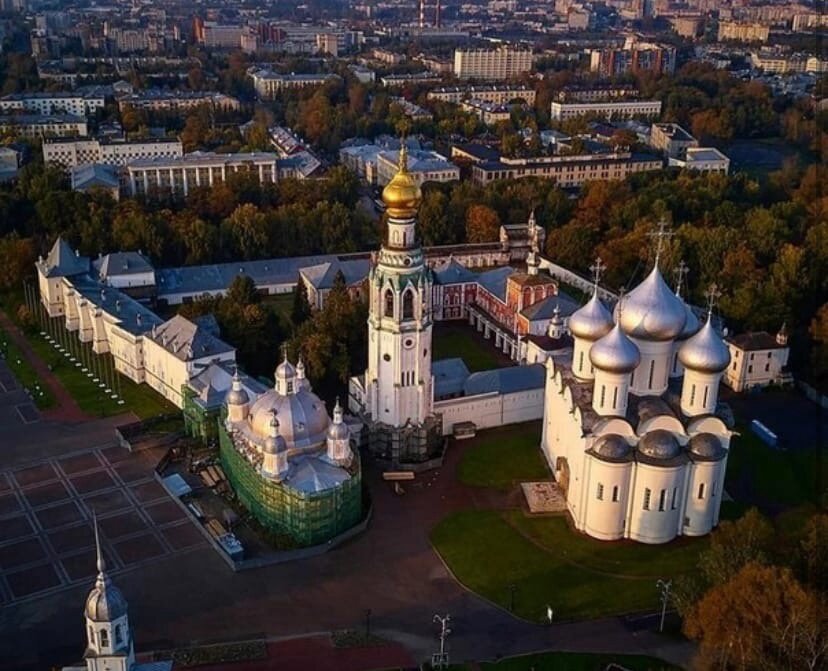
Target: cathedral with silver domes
(289,463)
(633,429)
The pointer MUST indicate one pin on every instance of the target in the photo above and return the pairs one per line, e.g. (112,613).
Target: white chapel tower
(398,384)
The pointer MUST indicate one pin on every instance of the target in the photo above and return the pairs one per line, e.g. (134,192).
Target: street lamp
(440,660)
(664,587)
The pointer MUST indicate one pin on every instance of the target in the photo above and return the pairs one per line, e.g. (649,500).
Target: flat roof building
(627,109)
(69,153)
(502,63)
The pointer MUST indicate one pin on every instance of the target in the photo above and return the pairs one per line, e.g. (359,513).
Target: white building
(71,153)
(630,429)
(268,83)
(493,64)
(703,159)
(626,109)
(109,643)
(757,360)
(671,139)
(159,100)
(492,93)
(423,166)
(52,103)
(179,175)
(44,125)
(489,113)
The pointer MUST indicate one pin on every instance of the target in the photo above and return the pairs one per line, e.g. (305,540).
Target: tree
(735,544)
(819,334)
(301,309)
(760,618)
(17,257)
(247,228)
(482,224)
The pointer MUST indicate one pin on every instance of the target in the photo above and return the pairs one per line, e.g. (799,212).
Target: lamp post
(664,587)
(440,660)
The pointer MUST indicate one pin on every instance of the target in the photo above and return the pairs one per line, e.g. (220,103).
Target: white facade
(424,166)
(497,64)
(626,109)
(81,152)
(757,360)
(34,125)
(499,94)
(52,103)
(703,159)
(268,83)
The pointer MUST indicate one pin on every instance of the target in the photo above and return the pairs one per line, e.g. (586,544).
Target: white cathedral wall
(704,497)
(651,524)
(605,498)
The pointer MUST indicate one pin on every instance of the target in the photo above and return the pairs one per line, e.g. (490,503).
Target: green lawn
(500,458)
(139,399)
(282,305)
(766,475)
(576,661)
(488,555)
(25,374)
(461,340)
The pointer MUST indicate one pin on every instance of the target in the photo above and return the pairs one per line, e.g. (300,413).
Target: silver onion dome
(105,602)
(274,444)
(659,444)
(237,394)
(706,447)
(592,321)
(691,324)
(611,447)
(705,352)
(285,370)
(615,353)
(652,311)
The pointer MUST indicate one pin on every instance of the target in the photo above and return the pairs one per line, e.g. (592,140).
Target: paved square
(47,542)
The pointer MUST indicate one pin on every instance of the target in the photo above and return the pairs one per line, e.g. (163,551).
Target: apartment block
(44,125)
(70,153)
(492,64)
(157,100)
(268,83)
(671,140)
(627,109)
(743,32)
(499,94)
(52,103)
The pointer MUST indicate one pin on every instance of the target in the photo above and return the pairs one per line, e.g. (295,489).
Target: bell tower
(398,381)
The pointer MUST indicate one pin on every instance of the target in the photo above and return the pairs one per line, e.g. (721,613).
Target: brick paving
(47,540)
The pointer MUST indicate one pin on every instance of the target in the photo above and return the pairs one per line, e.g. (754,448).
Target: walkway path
(67,409)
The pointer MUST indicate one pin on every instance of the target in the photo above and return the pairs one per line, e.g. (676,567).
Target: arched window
(603,394)
(408,305)
(652,370)
(615,494)
(600,493)
(103,640)
(581,361)
(389,303)
(692,394)
(91,636)
(706,390)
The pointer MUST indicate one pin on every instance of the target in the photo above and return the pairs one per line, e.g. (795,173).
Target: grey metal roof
(310,474)
(93,174)
(454,272)
(63,261)
(213,382)
(132,316)
(505,380)
(544,309)
(449,376)
(122,263)
(494,281)
(218,277)
(186,340)
(322,276)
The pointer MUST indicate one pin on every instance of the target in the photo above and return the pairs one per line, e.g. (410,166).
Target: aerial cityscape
(358,336)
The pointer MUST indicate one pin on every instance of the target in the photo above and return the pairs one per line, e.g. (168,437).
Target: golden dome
(402,195)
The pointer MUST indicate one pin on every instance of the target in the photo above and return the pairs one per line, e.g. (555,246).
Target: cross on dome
(713,294)
(99,560)
(661,234)
(681,272)
(597,270)
(622,295)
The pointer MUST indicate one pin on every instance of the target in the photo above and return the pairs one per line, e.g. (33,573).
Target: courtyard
(458,339)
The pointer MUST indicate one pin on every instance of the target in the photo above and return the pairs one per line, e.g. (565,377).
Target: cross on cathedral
(597,269)
(713,294)
(681,272)
(622,294)
(661,234)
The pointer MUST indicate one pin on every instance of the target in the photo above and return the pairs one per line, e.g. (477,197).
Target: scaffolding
(307,518)
(409,444)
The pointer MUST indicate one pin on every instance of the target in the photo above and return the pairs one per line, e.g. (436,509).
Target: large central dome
(652,311)
(303,420)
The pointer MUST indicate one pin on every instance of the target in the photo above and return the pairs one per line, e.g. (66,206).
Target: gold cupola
(402,195)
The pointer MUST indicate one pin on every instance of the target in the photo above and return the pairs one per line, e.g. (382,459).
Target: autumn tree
(17,257)
(246,229)
(819,334)
(482,224)
(760,618)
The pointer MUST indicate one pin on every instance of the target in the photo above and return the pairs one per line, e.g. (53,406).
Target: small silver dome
(274,444)
(652,311)
(592,321)
(706,447)
(285,370)
(705,352)
(237,394)
(339,431)
(105,602)
(611,447)
(659,444)
(615,353)
(691,324)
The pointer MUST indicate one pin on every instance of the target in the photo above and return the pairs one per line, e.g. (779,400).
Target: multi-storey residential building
(52,103)
(221,36)
(179,175)
(412,111)
(488,113)
(390,81)
(567,171)
(802,22)
(634,57)
(743,32)
(492,93)
(671,139)
(268,83)
(496,64)
(423,166)
(627,109)
(44,125)
(596,93)
(70,153)
(157,100)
